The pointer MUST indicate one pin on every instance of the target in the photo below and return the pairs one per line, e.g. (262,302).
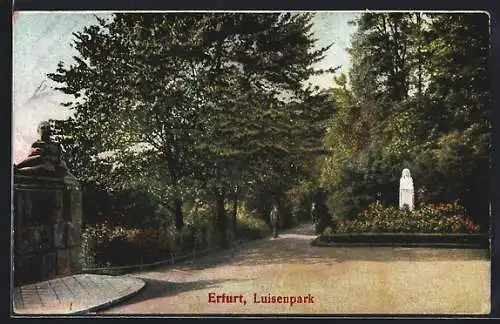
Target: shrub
(104,246)
(197,220)
(442,218)
(300,198)
(251,227)
(327,231)
(120,207)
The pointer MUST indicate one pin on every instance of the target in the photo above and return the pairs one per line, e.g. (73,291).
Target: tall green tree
(460,92)
(259,65)
(420,89)
(164,99)
(137,81)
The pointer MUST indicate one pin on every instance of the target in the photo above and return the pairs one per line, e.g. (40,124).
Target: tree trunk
(420,68)
(179,222)
(221,218)
(177,203)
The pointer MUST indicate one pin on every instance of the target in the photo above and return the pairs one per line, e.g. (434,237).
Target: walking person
(274,216)
(315,218)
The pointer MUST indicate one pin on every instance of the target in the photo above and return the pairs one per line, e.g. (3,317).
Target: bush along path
(117,270)
(104,246)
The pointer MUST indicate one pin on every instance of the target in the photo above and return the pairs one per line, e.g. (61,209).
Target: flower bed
(442,225)
(443,218)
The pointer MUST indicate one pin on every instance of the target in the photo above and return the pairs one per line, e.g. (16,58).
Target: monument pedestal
(47,227)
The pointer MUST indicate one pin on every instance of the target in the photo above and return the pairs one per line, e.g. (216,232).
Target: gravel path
(318,280)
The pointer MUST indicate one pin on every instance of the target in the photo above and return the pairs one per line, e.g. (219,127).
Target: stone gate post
(47,215)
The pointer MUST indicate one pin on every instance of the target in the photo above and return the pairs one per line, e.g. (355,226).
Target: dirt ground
(347,280)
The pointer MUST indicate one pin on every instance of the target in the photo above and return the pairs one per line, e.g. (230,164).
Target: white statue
(406,193)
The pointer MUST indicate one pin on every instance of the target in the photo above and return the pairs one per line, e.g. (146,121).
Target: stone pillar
(47,214)
(47,227)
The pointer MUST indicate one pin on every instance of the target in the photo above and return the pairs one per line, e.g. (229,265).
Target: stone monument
(406,192)
(47,214)
(45,156)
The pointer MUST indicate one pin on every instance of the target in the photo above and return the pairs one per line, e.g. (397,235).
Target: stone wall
(47,227)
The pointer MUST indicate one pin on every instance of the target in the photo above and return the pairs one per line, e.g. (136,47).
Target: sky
(42,39)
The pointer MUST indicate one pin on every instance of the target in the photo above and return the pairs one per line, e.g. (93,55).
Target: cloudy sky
(42,39)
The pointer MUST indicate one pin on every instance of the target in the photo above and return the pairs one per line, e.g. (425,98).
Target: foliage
(300,197)
(127,208)
(327,231)
(183,104)
(417,97)
(103,245)
(252,228)
(442,218)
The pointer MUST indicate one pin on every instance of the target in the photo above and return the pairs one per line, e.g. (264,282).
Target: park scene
(251,163)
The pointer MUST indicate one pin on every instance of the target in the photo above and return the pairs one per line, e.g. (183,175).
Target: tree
(140,78)
(163,98)
(420,92)
(460,90)
(259,64)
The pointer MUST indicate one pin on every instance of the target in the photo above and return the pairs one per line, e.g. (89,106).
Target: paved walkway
(321,280)
(74,294)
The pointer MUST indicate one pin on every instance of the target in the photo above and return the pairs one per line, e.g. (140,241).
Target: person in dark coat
(274,217)
(315,218)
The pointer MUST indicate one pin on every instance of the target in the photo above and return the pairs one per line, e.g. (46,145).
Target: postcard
(251,163)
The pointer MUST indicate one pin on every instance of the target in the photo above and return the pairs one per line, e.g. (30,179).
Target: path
(381,280)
